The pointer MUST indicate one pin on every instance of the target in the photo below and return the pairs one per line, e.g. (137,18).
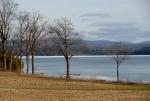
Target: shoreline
(54,56)
(59,77)
(90,78)
(42,75)
(7,73)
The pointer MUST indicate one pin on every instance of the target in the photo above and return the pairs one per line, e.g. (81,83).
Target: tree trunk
(10,65)
(21,62)
(27,62)
(4,55)
(5,64)
(33,69)
(68,68)
(118,73)
(11,59)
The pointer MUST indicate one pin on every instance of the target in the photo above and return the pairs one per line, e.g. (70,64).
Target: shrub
(16,66)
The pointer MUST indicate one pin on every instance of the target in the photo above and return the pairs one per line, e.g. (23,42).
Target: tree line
(26,30)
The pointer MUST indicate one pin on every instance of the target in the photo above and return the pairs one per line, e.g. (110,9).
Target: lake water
(135,69)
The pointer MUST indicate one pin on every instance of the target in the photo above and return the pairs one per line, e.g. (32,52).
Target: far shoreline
(54,56)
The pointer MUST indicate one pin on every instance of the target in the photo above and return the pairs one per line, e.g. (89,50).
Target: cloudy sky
(115,20)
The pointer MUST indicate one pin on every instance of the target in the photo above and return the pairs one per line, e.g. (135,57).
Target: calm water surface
(135,69)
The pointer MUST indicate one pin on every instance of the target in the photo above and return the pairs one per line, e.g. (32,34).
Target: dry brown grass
(16,87)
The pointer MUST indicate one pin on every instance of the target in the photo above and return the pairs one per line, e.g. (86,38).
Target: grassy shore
(19,87)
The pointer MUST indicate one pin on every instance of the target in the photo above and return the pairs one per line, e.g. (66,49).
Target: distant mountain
(142,48)
(98,43)
(144,44)
(93,47)
(106,43)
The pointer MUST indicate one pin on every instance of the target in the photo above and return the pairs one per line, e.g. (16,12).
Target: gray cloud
(131,37)
(119,29)
(113,24)
(118,32)
(98,15)
(115,28)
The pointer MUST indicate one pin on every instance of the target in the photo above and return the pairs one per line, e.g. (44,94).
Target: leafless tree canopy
(7,12)
(21,32)
(119,54)
(65,38)
(36,32)
(62,31)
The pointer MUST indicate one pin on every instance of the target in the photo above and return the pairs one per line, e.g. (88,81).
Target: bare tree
(22,30)
(119,54)
(7,12)
(27,49)
(11,54)
(65,38)
(36,34)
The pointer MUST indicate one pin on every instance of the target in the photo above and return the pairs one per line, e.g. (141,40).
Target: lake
(135,68)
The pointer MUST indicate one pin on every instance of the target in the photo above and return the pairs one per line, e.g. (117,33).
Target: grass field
(16,87)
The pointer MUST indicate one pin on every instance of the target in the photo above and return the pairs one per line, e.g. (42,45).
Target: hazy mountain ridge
(106,43)
(92,47)
(96,47)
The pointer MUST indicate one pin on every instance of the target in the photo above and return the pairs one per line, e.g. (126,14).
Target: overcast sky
(115,20)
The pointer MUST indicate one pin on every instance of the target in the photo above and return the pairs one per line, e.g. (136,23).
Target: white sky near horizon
(115,20)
